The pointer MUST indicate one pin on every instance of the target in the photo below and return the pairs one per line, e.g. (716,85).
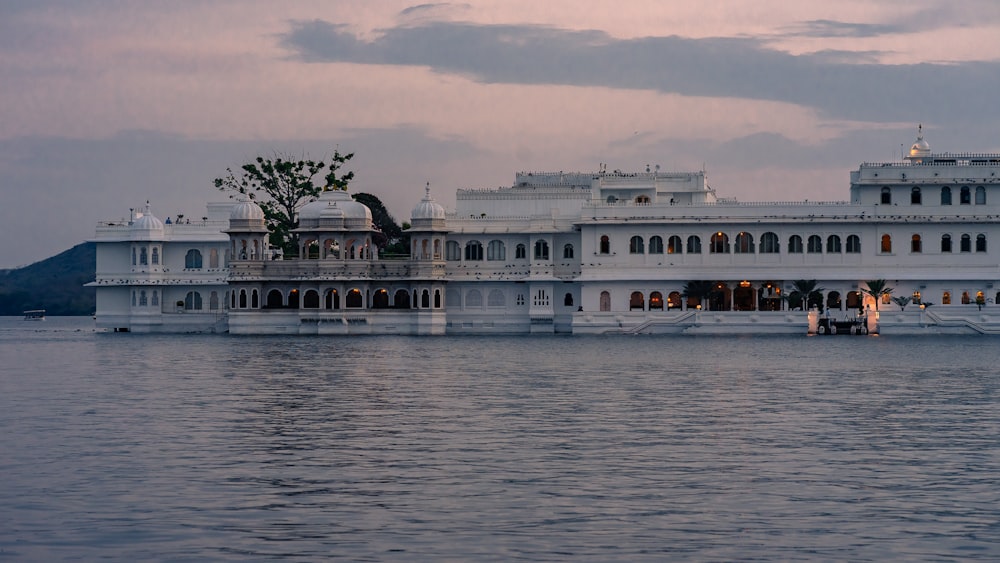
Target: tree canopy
(281,185)
(395,240)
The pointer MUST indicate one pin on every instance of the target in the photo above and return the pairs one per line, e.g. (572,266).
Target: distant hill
(54,284)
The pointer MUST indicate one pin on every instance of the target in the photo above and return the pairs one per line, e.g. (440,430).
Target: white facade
(586,253)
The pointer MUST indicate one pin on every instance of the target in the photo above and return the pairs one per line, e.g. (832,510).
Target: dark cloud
(831,28)
(834,83)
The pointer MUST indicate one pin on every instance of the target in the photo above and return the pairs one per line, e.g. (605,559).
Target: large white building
(582,253)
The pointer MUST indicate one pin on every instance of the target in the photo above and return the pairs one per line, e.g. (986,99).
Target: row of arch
(192,300)
(330,248)
(916,195)
(150,255)
(719,243)
(332,299)
(917,243)
(496,250)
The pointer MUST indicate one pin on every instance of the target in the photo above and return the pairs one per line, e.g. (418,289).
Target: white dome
(246,210)
(427,208)
(146,221)
(920,148)
(338,199)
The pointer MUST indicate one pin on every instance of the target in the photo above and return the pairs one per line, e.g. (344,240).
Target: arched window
(833,300)
(605,304)
(354,299)
(946,196)
(568,300)
(642,200)
(946,298)
(635,245)
(980,195)
(452,251)
(769,243)
(401,299)
(605,247)
(155,302)
(795,244)
(886,196)
(192,259)
(541,250)
(915,196)
(473,298)
(156,256)
(473,250)
(719,243)
(332,300)
(213,301)
(637,301)
(814,244)
(980,243)
(656,301)
(568,251)
(915,244)
(833,244)
(694,244)
(274,300)
(520,252)
(213,258)
(143,257)
(496,250)
(965,298)
(425,299)
(380,299)
(886,244)
(612,200)
(311,299)
(133,257)
(744,243)
(656,244)
(254,299)
(674,300)
(192,301)
(964,196)
(853,244)
(853,300)
(496,299)
(293,299)
(945,243)
(674,245)
(437,298)
(966,244)
(143,299)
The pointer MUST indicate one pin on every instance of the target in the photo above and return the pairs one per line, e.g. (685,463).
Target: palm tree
(805,292)
(699,289)
(902,302)
(877,289)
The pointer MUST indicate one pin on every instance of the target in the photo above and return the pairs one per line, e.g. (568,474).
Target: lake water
(628,448)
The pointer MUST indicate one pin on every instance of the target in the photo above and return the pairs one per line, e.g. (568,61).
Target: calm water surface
(199,448)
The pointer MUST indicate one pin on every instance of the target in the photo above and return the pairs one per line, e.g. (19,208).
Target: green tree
(877,289)
(902,301)
(394,241)
(805,294)
(701,290)
(281,186)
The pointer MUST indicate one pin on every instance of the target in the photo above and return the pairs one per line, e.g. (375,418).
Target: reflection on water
(200,448)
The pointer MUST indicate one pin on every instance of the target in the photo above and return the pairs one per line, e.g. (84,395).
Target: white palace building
(580,253)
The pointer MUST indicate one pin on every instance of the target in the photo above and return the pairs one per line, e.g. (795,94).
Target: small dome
(427,208)
(920,148)
(246,210)
(146,221)
(338,199)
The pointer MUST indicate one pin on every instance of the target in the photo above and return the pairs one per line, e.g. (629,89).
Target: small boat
(35,315)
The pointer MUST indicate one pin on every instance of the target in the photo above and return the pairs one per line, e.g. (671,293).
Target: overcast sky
(108,103)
